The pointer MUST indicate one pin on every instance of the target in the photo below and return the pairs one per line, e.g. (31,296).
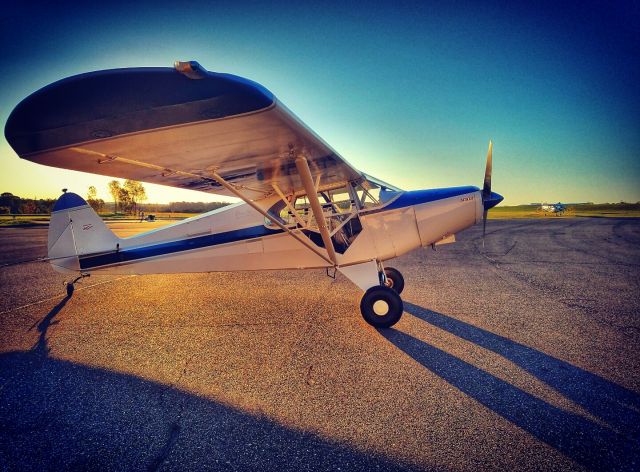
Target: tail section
(76,230)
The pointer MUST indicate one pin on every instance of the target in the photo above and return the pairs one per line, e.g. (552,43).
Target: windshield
(373,192)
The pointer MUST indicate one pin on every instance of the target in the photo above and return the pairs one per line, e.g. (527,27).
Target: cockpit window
(338,204)
(373,192)
(286,216)
(381,184)
(367,197)
(337,201)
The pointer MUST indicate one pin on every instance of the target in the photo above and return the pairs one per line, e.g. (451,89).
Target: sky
(408,92)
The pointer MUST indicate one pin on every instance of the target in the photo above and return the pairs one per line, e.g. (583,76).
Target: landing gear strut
(70,286)
(394,279)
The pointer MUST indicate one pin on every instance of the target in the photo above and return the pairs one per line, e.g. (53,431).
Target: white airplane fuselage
(236,237)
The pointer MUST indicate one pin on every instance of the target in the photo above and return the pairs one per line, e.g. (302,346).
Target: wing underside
(164,126)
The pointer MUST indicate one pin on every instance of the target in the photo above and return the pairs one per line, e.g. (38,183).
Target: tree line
(127,199)
(12,204)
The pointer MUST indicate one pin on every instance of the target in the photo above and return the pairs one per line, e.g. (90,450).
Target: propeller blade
(486,189)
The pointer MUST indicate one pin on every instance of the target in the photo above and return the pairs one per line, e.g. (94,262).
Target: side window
(338,201)
(367,195)
(374,193)
(338,205)
(286,217)
(278,210)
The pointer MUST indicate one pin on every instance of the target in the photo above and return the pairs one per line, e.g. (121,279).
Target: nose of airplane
(493,200)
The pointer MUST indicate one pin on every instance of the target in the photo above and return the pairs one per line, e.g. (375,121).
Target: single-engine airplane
(303,205)
(555,208)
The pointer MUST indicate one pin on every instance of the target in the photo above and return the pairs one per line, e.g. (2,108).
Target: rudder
(75,230)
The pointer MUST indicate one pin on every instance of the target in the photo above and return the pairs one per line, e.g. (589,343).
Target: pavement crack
(183,372)
(172,438)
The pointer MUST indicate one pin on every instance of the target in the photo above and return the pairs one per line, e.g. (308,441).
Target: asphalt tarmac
(521,356)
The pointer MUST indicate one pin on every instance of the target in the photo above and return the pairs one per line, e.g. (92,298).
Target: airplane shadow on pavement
(604,448)
(59,415)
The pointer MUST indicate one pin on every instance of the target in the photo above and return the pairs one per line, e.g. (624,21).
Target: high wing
(173,126)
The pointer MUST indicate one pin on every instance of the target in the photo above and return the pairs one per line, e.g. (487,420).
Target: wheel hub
(380,307)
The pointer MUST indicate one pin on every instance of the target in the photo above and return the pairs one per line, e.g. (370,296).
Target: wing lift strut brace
(312,195)
(307,181)
(296,234)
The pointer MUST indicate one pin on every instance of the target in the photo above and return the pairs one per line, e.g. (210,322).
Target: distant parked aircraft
(555,208)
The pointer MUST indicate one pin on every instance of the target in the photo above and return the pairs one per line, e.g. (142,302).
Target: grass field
(615,210)
(606,210)
(30,220)
(27,220)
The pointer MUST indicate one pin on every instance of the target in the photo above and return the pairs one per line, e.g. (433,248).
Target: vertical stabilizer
(75,230)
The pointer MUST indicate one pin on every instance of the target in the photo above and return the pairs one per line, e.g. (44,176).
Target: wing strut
(273,219)
(312,195)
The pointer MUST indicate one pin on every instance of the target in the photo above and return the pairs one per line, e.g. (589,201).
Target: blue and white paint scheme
(303,206)
(555,208)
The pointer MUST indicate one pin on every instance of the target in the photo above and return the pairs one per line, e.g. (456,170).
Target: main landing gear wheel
(381,307)
(395,280)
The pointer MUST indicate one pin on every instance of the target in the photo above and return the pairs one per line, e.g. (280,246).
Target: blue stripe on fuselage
(134,254)
(416,197)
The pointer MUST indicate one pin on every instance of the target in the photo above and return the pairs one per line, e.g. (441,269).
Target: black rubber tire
(70,289)
(394,305)
(396,279)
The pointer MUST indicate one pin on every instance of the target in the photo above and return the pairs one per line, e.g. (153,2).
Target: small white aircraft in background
(556,208)
(303,206)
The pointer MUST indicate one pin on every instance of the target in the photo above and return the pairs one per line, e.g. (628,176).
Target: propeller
(489,198)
